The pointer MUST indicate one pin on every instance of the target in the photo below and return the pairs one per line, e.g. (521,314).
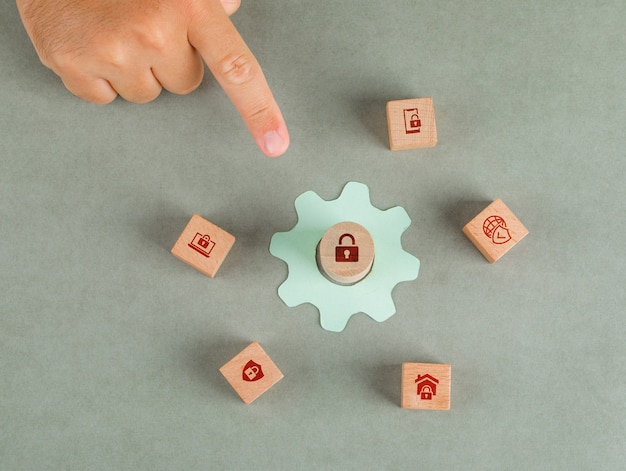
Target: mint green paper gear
(337,303)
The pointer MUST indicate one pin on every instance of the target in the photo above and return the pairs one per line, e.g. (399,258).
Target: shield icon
(501,235)
(252,371)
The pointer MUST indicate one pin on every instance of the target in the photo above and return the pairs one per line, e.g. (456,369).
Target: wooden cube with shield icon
(251,373)
(495,230)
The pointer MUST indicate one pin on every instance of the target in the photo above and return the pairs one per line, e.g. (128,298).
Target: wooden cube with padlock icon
(203,245)
(251,372)
(411,123)
(426,386)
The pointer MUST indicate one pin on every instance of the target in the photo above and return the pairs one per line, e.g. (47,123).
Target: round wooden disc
(345,254)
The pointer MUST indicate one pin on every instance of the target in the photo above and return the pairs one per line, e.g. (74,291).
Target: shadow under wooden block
(203,245)
(495,230)
(426,386)
(251,372)
(411,123)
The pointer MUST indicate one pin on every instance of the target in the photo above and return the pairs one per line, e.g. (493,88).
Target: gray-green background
(110,347)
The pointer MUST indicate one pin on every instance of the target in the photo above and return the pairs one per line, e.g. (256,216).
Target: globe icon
(491,224)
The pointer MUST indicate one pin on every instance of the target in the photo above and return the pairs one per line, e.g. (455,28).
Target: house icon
(426,386)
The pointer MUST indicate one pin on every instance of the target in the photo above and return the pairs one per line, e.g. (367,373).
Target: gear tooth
(334,323)
(283,292)
(289,295)
(384,310)
(355,200)
(281,247)
(399,216)
(356,190)
(411,267)
(305,200)
(275,244)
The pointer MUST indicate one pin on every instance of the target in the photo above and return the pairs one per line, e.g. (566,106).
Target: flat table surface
(110,347)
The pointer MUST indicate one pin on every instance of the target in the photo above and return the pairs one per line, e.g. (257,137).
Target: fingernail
(274,144)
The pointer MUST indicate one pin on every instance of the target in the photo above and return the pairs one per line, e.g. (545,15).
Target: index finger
(236,69)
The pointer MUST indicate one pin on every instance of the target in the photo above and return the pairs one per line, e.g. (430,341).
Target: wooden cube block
(251,373)
(426,386)
(495,230)
(411,123)
(203,245)
(346,253)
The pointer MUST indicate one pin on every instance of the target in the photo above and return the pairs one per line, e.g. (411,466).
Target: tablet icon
(412,121)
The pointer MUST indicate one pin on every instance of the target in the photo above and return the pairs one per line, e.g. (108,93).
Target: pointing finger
(238,72)
(231,6)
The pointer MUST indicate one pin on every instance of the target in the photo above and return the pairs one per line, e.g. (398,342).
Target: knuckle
(191,80)
(92,94)
(154,37)
(145,97)
(259,111)
(116,55)
(190,87)
(62,64)
(237,69)
(100,99)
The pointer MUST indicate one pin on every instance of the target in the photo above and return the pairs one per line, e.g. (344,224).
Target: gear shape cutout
(337,303)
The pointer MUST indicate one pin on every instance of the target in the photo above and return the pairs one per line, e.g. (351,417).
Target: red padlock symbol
(415,122)
(204,241)
(347,253)
(426,394)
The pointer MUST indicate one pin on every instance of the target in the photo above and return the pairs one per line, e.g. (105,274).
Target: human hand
(105,48)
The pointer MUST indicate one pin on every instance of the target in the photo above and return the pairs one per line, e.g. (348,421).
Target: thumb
(236,69)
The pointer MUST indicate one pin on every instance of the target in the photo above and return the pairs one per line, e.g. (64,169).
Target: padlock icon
(412,121)
(426,394)
(347,253)
(415,122)
(252,371)
(204,241)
